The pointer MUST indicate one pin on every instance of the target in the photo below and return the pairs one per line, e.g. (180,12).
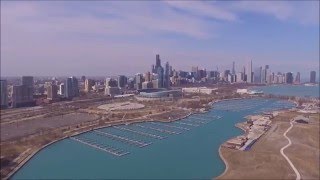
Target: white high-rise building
(62,89)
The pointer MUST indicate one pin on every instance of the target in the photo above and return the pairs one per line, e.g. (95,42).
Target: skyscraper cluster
(160,76)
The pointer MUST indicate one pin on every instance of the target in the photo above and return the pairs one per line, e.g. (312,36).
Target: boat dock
(177,127)
(194,125)
(197,120)
(122,139)
(108,149)
(158,129)
(208,116)
(140,133)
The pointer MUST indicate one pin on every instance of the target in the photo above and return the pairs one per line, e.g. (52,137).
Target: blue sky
(110,37)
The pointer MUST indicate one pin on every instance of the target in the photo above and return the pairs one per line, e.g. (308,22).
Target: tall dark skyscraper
(265,74)
(68,88)
(289,78)
(297,80)
(27,80)
(3,93)
(166,81)
(158,64)
(249,72)
(233,68)
(153,69)
(71,87)
(158,61)
(170,71)
(312,77)
(257,75)
(160,73)
(122,81)
(22,95)
(75,86)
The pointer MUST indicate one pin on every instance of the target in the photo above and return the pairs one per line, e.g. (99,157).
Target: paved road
(282,153)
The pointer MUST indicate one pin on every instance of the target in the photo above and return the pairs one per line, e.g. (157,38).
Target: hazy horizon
(105,38)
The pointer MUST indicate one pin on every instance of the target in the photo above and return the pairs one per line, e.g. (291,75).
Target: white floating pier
(109,150)
(141,133)
(196,120)
(208,117)
(177,127)
(158,129)
(123,139)
(194,125)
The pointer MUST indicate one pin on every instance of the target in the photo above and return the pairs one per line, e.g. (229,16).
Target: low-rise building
(112,91)
(147,85)
(199,90)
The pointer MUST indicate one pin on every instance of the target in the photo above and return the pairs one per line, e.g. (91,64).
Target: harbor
(165,138)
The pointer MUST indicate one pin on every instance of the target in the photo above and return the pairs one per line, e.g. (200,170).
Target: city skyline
(96,38)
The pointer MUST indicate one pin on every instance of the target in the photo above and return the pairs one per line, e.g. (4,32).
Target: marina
(140,133)
(208,116)
(177,127)
(122,139)
(97,154)
(158,129)
(189,124)
(95,145)
(198,120)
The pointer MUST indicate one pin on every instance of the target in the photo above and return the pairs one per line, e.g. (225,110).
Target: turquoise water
(290,90)
(191,154)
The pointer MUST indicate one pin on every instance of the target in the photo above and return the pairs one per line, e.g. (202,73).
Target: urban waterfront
(188,148)
(291,90)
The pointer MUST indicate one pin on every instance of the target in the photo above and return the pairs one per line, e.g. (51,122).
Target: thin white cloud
(302,12)
(279,9)
(204,9)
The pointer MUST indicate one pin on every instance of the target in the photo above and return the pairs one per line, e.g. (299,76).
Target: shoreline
(223,159)
(225,163)
(29,157)
(220,153)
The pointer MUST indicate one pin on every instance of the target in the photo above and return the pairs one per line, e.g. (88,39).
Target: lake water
(290,90)
(192,154)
